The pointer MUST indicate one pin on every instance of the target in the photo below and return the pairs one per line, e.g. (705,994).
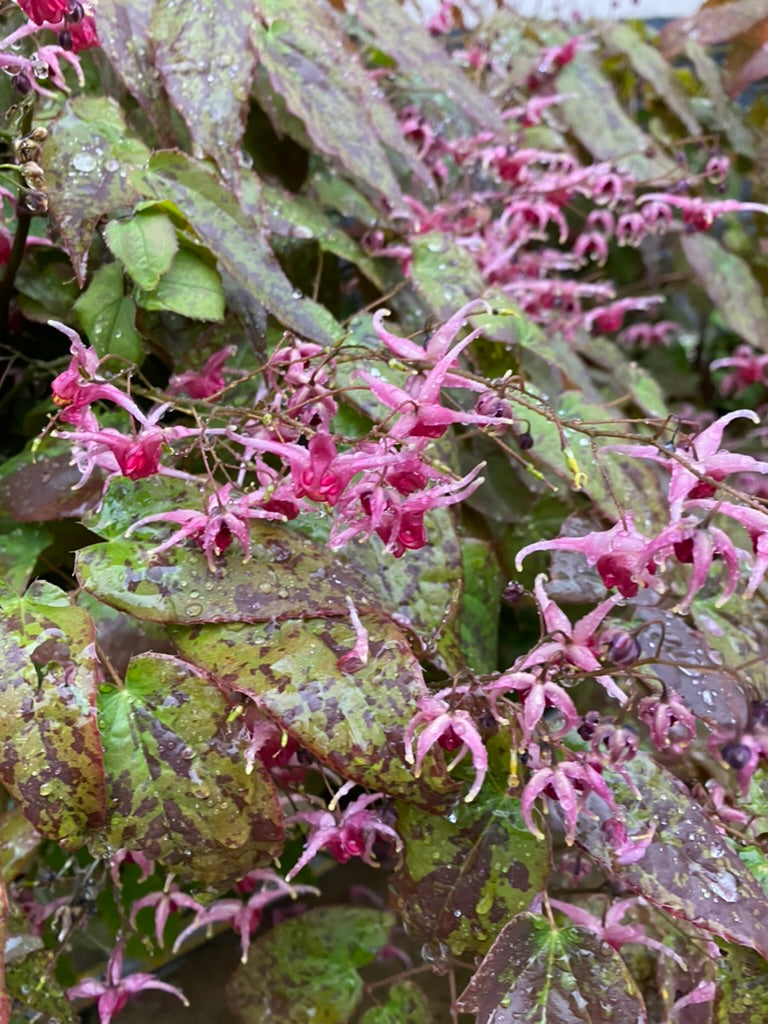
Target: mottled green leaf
(540,974)
(649,64)
(108,315)
(287,575)
(406,1004)
(237,242)
(597,119)
(305,969)
(352,720)
(19,550)
(425,62)
(50,752)
(145,245)
(126,501)
(444,273)
(728,281)
(123,34)
(318,75)
(689,870)
(191,287)
(31,982)
(742,981)
(207,77)
(630,380)
(480,604)
(462,877)
(87,159)
(177,785)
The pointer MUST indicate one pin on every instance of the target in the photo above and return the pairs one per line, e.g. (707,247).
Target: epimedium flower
(571,643)
(347,833)
(568,784)
(41,11)
(205,382)
(755,523)
(451,729)
(114,991)
(538,693)
(165,901)
(245,915)
(698,464)
(671,725)
(610,928)
(746,366)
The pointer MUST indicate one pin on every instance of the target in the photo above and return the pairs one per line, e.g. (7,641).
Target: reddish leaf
(40,488)
(207,78)
(50,751)
(538,974)
(353,721)
(713,24)
(176,777)
(688,870)
(5,1002)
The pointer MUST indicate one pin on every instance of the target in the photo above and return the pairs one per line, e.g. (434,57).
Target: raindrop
(193,609)
(83,162)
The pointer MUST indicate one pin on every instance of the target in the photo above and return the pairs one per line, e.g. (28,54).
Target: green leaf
(306,968)
(108,316)
(444,273)
(20,549)
(354,720)
(191,287)
(87,158)
(286,576)
(689,870)
(207,78)
(177,784)
(728,281)
(742,981)
(406,1004)
(31,982)
(50,751)
(145,245)
(480,604)
(236,240)
(463,876)
(540,974)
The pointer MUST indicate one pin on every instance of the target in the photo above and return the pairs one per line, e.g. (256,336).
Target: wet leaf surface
(742,981)
(41,487)
(20,549)
(108,315)
(406,1004)
(51,758)
(145,245)
(93,182)
(19,841)
(176,777)
(480,605)
(353,721)
(191,287)
(728,281)
(540,974)
(286,576)
(689,870)
(235,240)
(464,876)
(699,664)
(207,78)
(306,968)
(5,1003)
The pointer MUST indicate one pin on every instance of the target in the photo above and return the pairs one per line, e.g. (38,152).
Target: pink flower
(206,382)
(352,832)
(171,898)
(569,784)
(451,730)
(245,915)
(114,992)
(701,456)
(573,644)
(699,213)
(41,11)
(756,525)
(610,929)
(618,554)
(83,34)
(748,368)
(626,849)
(671,724)
(538,694)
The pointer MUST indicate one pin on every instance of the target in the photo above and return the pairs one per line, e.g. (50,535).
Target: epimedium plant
(338,324)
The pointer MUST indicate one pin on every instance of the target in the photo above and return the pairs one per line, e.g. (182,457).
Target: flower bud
(65,39)
(525,441)
(736,755)
(512,593)
(34,203)
(75,12)
(21,83)
(623,648)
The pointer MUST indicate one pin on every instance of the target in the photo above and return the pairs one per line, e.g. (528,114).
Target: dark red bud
(512,592)
(736,755)
(624,649)
(75,12)
(65,40)
(450,740)
(21,83)
(525,441)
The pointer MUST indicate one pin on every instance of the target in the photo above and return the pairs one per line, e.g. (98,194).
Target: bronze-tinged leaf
(317,74)
(462,877)
(237,241)
(40,487)
(538,974)
(425,61)
(50,751)
(5,1002)
(177,785)
(287,576)
(730,284)
(306,969)
(353,721)
(123,34)
(87,159)
(688,870)
(712,24)
(207,78)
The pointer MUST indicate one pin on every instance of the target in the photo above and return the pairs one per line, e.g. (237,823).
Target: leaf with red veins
(51,759)
(688,870)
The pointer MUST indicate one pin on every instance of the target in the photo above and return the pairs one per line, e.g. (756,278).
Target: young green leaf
(191,287)
(107,315)
(145,245)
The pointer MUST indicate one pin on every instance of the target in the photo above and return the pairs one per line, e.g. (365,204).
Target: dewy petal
(466,730)
(709,440)
(535,786)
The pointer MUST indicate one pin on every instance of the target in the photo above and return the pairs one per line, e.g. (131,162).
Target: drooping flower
(610,929)
(671,725)
(568,784)
(538,693)
(202,383)
(746,366)
(756,525)
(165,901)
(41,11)
(451,729)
